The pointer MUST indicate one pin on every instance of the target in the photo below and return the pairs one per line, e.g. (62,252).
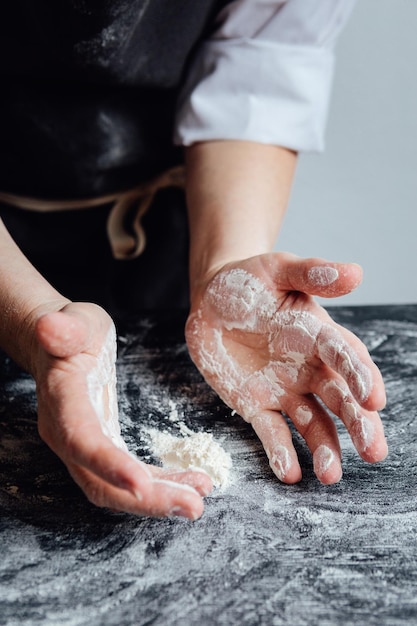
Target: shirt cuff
(246,89)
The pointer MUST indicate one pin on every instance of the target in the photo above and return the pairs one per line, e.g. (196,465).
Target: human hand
(267,348)
(74,369)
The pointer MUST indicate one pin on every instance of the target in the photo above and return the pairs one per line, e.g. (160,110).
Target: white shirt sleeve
(264,75)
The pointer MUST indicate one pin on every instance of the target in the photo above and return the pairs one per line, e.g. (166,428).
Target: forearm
(24,296)
(237,193)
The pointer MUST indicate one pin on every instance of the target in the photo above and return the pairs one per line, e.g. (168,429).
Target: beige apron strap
(48,206)
(130,243)
(127,241)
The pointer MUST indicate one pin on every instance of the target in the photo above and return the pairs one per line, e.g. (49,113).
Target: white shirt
(264,75)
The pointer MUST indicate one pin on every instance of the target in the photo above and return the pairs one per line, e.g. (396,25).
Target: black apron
(87,107)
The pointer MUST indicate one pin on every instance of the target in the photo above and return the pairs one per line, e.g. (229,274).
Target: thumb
(315,276)
(76,328)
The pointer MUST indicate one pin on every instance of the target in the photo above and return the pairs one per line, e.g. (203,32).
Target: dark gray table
(263,553)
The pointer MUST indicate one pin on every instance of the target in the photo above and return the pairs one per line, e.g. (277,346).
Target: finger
(73,329)
(273,431)
(79,440)
(376,400)
(69,425)
(91,449)
(365,427)
(197,479)
(163,499)
(314,276)
(351,360)
(318,429)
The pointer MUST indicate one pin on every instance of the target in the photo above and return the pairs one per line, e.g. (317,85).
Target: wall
(358,201)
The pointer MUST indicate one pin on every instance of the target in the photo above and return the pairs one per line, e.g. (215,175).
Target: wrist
(24,297)
(237,193)
(218,239)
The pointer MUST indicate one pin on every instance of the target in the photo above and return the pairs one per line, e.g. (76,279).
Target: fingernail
(280,462)
(178,511)
(322,275)
(137,495)
(322,459)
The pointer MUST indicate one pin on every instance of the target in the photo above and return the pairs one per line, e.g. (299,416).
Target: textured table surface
(263,553)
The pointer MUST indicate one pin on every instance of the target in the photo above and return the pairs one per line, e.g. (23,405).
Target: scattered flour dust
(192,450)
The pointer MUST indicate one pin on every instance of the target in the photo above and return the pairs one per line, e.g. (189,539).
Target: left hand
(74,368)
(267,348)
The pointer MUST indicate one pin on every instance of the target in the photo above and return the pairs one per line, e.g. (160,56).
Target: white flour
(322,276)
(101,382)
(195,451)
(192,450)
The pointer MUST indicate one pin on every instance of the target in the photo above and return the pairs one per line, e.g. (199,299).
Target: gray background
(357,201)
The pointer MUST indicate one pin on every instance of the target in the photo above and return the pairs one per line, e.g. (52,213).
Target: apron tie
(124,228)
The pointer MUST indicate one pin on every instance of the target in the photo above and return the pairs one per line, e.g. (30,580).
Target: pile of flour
(191,450)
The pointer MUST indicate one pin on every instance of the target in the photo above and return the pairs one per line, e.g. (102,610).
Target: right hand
(269,350)
(73,368)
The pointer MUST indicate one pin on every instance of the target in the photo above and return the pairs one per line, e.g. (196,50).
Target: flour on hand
(101,383)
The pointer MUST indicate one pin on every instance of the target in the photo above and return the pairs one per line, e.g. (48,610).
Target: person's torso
(89,89)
